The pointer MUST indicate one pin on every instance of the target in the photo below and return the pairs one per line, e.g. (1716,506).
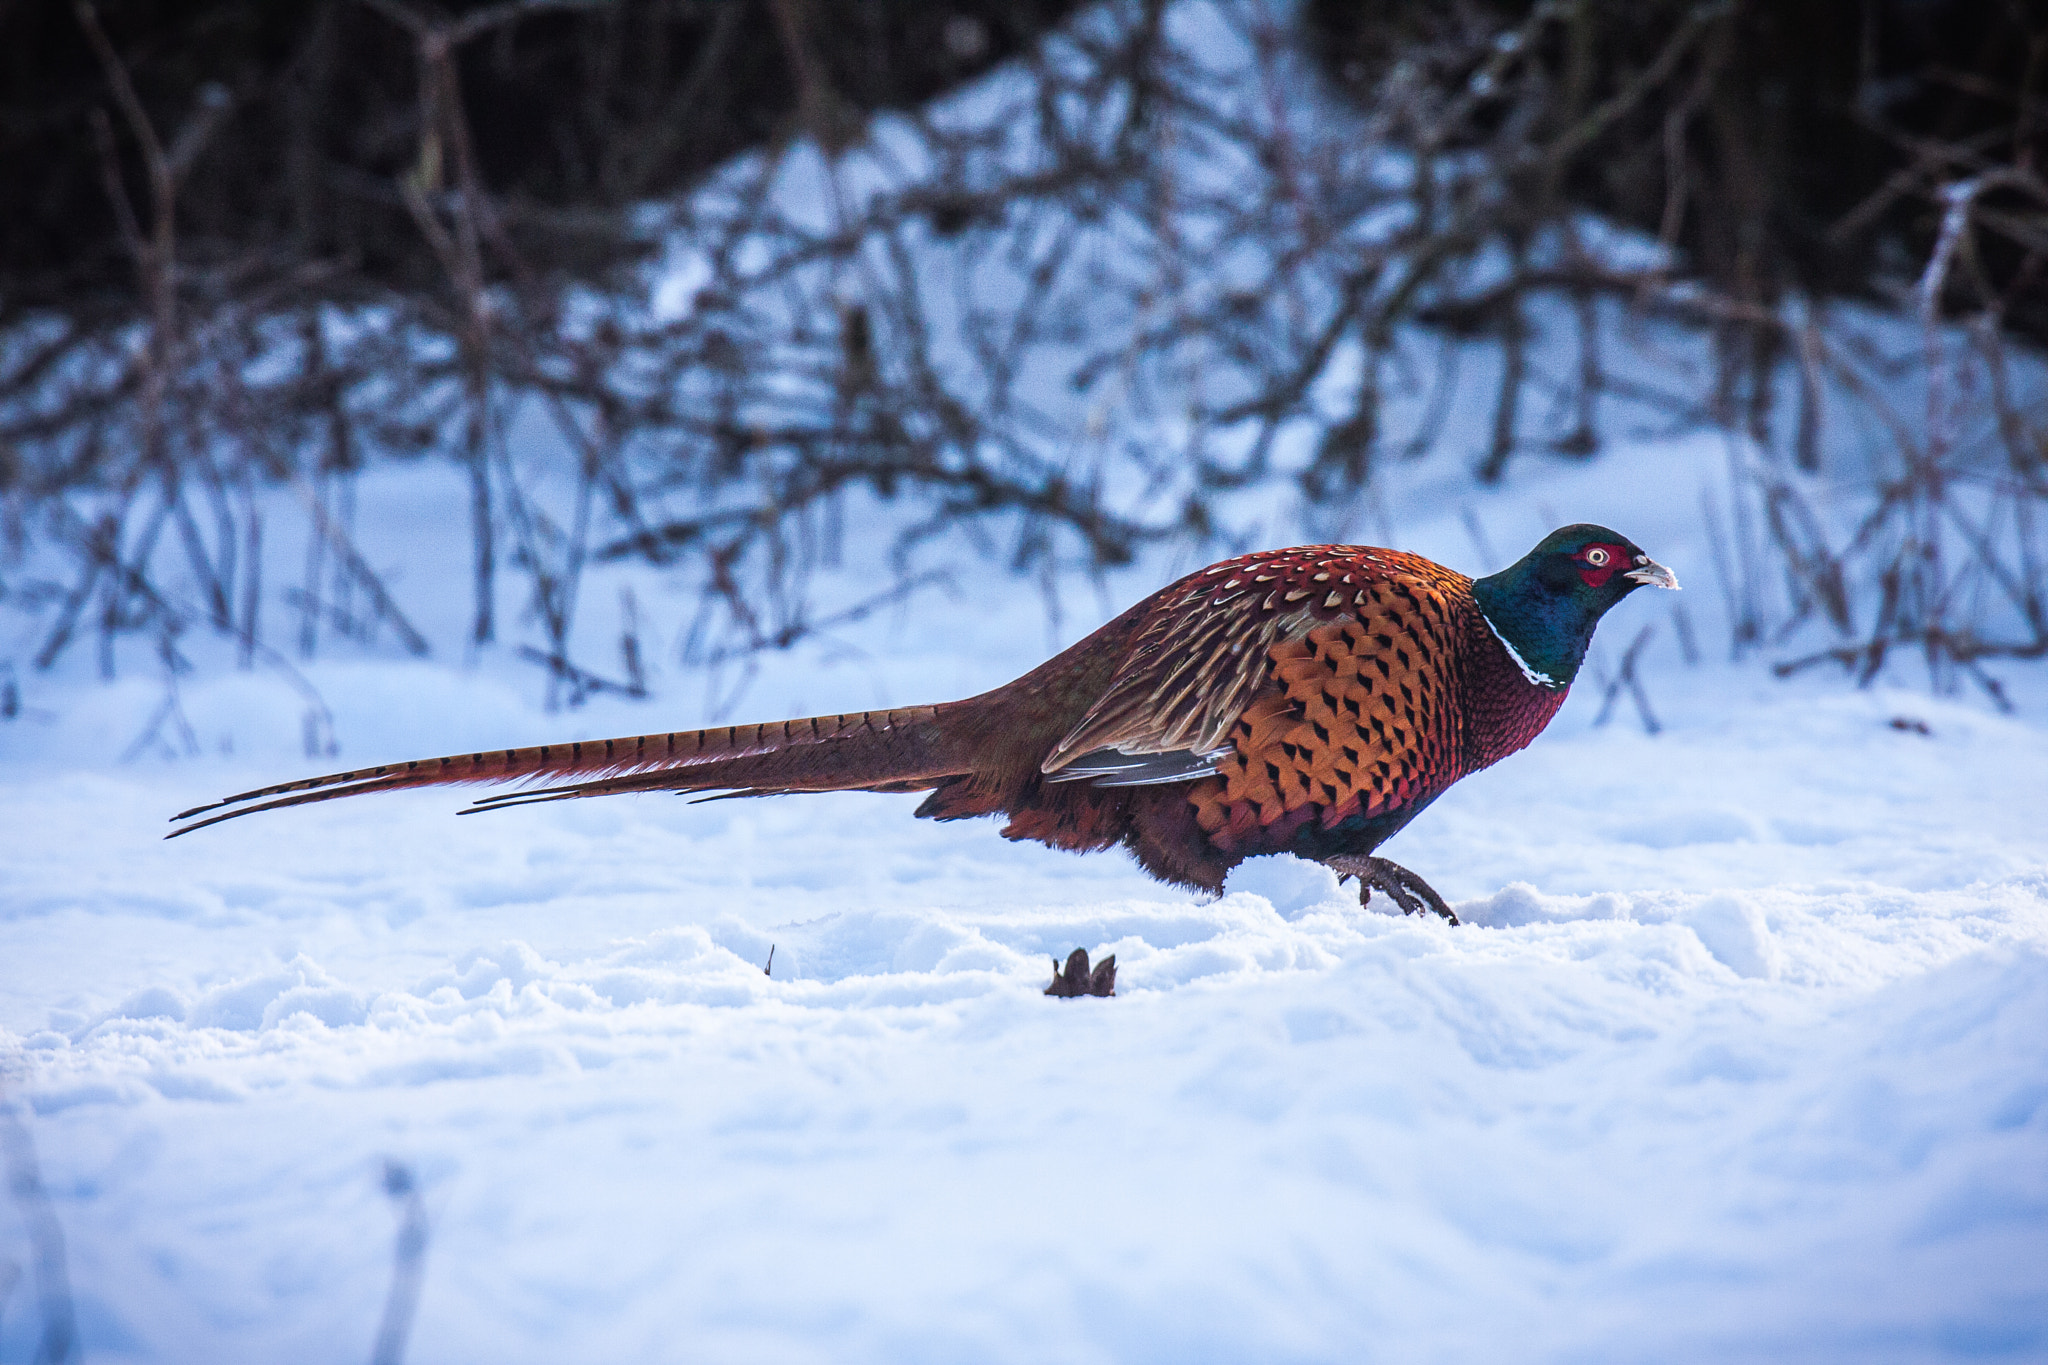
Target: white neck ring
(1534,675)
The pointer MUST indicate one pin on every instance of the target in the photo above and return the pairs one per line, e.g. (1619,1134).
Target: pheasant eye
(1597,557)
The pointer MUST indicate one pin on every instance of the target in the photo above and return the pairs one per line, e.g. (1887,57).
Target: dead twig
(408,1264)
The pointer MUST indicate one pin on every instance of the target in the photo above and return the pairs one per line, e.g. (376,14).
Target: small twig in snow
(408,1263)
(46,1238)
(1625,677)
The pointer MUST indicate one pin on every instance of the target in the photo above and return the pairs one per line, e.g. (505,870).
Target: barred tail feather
(908,749)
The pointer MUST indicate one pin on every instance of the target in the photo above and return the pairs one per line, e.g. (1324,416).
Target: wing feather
(1202,654)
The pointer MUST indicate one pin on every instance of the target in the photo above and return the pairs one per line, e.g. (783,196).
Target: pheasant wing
(1318,676)
(1203,654)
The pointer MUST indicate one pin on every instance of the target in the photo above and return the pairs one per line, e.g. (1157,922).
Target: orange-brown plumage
(1309,700)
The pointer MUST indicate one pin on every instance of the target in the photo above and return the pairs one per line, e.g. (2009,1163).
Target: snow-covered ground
(1743,1054)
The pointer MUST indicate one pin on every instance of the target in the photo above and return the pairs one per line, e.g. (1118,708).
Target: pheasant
(1310,701)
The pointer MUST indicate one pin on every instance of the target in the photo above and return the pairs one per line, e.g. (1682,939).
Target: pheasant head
(1545,605)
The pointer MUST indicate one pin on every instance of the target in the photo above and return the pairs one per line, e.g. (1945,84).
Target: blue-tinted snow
(1742,1055)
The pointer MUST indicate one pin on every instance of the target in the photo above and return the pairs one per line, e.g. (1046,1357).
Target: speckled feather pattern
(1370,683)
(1201,653)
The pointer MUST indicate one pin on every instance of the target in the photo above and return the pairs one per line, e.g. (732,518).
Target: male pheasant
(1310,701)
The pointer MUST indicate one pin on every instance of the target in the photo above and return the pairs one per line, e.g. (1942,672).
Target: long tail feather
(908,749)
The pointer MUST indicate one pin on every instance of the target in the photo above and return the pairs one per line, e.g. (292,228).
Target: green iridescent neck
(1546,626)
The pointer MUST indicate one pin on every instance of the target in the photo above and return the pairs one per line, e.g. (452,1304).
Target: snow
(1742,1052)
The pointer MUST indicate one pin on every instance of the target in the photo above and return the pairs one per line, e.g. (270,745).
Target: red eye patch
(1600,562)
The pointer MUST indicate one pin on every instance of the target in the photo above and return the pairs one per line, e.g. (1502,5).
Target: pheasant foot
(1075,979)
(1403,887)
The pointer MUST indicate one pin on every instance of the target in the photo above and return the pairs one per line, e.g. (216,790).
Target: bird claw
(1076,980)
(1403,887)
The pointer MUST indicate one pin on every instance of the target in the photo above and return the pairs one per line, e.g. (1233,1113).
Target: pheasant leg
(1403,887)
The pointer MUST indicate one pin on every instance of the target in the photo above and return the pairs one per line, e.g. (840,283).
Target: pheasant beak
(1648,570)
